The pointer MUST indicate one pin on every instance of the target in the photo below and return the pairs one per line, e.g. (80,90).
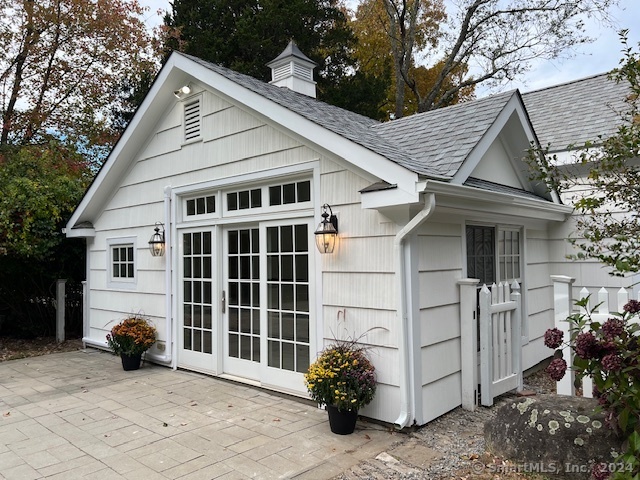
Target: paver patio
(79,415)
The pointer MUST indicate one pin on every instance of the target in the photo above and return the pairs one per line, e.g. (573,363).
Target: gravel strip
(450,447)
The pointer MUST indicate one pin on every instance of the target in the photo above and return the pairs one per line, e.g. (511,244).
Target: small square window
(122,266)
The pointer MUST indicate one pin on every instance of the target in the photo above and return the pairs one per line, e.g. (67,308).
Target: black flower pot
(342,422)
(130,362)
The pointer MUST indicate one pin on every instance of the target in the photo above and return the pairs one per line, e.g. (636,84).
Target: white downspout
(405,347)
(168,357)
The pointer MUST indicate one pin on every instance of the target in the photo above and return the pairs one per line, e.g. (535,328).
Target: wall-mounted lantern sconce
(327,231)
(156,244)
(183,91)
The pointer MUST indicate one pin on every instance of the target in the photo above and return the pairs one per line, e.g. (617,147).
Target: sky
(601,56)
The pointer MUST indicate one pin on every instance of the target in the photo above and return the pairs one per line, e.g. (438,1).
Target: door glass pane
(286,274)
(287,326)
(288,298)
(302,268)
(197,262)
(302,358)
(302,328)
(207,342)
(274,354)
(288,359)
(244,263)
(286,239)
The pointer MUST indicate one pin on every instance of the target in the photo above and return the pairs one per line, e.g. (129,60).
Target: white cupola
(294,70)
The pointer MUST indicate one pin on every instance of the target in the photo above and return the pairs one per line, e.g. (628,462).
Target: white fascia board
(473,159)
(134,137)
(386,198)
(365,160)
(80,233)
(472,199)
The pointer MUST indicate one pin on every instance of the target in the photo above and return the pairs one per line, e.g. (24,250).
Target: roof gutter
(407,369)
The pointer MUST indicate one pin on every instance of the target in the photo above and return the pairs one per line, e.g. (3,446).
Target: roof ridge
(569,82)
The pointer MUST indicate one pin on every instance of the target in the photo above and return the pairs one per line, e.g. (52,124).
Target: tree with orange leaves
(62,63)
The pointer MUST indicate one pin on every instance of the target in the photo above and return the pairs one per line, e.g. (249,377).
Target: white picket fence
(500,341)
(564,306)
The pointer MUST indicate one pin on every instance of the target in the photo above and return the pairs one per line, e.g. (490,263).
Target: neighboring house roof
(576,112)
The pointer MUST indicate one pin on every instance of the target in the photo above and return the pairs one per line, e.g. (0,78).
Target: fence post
(562,305)
(516,333)
(486,355)
(469,341)
(85,313)
(60,309)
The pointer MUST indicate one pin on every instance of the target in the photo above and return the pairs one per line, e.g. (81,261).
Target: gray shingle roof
(499,188)
(440,140)
(576,112)
(432,144)
(353,126)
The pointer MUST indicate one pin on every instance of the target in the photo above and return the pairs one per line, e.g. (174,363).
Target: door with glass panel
(268,319)
(241,302)
(196,330)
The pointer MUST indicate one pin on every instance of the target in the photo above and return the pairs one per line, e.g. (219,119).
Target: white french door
(197,316)
(267,315)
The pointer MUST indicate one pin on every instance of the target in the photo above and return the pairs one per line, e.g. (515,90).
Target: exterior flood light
(156,243)
(182,92)
(327,231)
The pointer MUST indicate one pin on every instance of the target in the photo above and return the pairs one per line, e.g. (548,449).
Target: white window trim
(262,180)
(116,282)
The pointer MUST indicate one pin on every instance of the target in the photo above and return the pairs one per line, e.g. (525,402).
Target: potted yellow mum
(343,379)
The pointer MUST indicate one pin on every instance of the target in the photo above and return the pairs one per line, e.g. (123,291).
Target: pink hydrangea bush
(609,352)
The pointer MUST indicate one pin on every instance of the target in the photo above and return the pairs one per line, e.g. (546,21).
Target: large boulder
(558,436)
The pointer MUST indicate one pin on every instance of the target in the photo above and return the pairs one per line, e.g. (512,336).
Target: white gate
(500,341)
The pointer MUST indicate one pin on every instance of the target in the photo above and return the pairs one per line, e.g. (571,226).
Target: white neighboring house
(238,170)
(565,117)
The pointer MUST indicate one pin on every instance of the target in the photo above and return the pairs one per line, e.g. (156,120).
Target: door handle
(224,301)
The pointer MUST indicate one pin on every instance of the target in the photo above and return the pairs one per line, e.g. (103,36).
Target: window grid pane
(122,262)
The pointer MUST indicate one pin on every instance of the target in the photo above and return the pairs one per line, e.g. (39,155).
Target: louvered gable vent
(192,119)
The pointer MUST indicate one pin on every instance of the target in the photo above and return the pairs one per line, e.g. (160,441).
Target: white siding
(358,280)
